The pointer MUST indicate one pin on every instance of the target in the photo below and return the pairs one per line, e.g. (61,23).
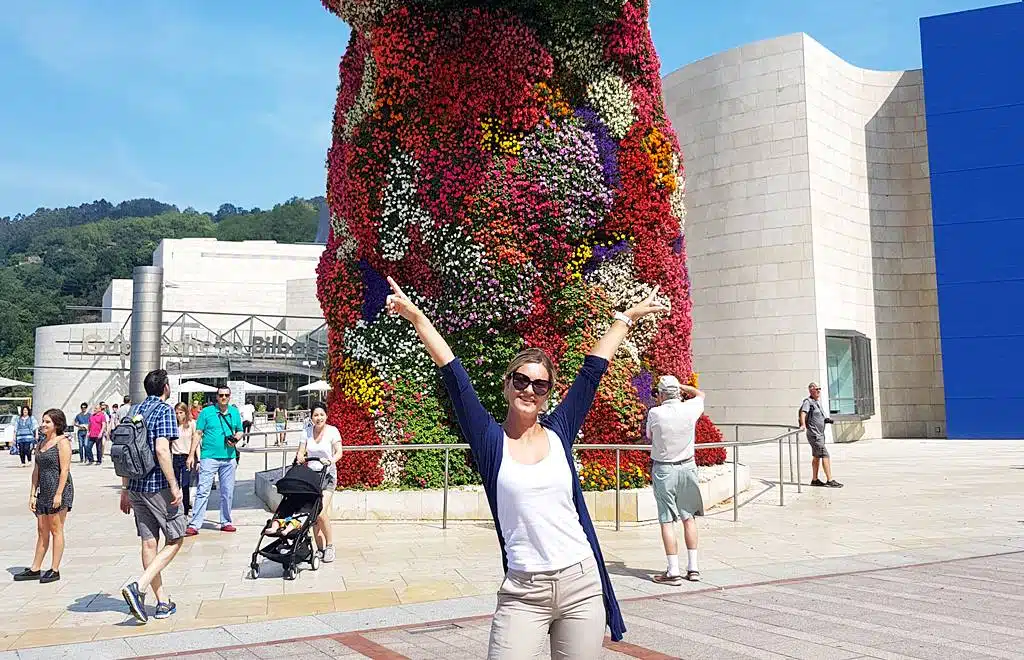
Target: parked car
(8,425)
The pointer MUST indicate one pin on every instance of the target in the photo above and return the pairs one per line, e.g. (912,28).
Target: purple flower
(377,290)
(602,254)
(643,382)
(607,146)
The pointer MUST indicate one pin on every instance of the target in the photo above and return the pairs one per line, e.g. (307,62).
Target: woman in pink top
(97,425)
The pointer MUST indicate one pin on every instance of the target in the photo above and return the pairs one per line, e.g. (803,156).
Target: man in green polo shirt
(219,428)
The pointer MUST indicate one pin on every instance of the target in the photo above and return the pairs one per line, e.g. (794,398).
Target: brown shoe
(665,578)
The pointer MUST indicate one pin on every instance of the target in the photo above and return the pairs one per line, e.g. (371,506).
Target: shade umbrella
(193,386)
(318,386)
(250,388)
(10,382)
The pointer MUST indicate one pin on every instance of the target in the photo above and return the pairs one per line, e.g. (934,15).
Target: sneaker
(228,528)
(665,578)
(833,484)
(693,576)
(136,601)
(49,576)
(26,575)
(817,482)
(329,554)
(164,610)
(191,531)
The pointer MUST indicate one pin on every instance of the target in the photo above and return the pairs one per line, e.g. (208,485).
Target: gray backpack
(130,451)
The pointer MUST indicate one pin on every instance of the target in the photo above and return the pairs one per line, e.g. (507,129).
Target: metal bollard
(799,484)
(618,453)
(736,481)
(444,507)
(782,475)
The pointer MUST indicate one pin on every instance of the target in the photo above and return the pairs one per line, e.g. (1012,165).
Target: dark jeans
(184,477)
(25,451)
(99,448)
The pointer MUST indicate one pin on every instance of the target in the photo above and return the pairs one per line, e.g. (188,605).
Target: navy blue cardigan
(486,438)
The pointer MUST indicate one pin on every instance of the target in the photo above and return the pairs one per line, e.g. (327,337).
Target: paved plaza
(921,544)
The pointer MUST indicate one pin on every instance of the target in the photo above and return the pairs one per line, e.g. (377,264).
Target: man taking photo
(672,430)
(218,431)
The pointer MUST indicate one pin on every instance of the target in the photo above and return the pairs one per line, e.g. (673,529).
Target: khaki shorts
(676,491)
(155,515)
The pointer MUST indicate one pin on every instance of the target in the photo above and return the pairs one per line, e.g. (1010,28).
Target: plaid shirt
(160,423)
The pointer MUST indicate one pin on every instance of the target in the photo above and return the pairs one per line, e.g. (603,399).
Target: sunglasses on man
(521,381)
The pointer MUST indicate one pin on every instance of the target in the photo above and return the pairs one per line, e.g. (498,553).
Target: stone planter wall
(470,503)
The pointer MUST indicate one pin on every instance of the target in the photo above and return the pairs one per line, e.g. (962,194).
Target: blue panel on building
(974,103)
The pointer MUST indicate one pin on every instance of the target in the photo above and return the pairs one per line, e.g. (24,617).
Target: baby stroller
(291,528)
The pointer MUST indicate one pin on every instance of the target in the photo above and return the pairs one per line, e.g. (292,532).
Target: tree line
(54,258)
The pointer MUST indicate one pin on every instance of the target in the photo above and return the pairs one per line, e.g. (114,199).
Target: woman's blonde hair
(183,407)
(533,356)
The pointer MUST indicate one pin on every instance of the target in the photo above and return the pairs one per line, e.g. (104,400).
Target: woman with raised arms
(555,577)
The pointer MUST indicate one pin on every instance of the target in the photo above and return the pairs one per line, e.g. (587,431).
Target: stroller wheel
(290,573)
(314,561)
(254,571)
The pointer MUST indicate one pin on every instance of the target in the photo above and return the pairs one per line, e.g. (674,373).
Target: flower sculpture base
(636,505)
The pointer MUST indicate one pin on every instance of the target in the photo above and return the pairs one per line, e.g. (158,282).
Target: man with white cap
(671,429)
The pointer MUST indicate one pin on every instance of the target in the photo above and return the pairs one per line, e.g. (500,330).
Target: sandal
(665,578)
(693,576)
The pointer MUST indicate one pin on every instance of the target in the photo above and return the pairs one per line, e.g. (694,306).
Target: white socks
(673,562)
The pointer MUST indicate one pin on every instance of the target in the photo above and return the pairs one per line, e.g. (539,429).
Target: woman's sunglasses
(521,381)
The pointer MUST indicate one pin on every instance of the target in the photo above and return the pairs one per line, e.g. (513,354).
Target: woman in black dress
(51,496)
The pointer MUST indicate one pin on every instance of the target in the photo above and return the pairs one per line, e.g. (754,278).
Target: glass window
(848,366)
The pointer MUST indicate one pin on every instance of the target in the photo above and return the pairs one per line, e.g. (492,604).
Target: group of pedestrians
(93,428)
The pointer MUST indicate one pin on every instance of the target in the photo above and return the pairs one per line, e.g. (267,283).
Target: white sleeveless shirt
(538,519)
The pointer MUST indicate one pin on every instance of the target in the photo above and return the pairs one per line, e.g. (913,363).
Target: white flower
(616,277)
(677,200)
(613,100)
(363,105)
(401,207)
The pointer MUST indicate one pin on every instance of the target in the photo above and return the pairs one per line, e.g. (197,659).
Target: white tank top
(323,450)
(538,519)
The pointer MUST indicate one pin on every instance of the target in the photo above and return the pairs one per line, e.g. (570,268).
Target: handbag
(14,449)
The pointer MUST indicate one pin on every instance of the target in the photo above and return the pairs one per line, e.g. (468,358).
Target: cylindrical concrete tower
(147,315)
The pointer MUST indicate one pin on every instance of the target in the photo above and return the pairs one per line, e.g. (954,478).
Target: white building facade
(809,237)
(239,312)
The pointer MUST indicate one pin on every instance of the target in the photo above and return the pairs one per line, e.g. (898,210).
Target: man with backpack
(141,452)
(813,419)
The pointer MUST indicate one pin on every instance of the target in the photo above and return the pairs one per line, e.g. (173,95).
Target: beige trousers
(567,604)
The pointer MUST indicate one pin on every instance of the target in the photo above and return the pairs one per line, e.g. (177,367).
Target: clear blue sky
(198,103)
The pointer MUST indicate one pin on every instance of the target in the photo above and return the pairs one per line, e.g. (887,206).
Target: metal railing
(788,437)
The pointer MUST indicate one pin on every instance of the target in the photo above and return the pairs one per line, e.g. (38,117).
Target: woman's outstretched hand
(647,306)
(399,303)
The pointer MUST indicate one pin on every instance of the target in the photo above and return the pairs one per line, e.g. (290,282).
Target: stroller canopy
(301,480)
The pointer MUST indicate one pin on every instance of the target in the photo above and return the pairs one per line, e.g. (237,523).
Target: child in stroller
(291,528)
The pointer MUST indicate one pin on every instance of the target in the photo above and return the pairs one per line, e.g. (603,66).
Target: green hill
(53,258)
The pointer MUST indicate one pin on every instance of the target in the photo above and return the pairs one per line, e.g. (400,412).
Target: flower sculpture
(511,164)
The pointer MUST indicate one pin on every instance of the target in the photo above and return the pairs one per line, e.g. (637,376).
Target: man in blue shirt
(156,500)
(219,428)
(82,429)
